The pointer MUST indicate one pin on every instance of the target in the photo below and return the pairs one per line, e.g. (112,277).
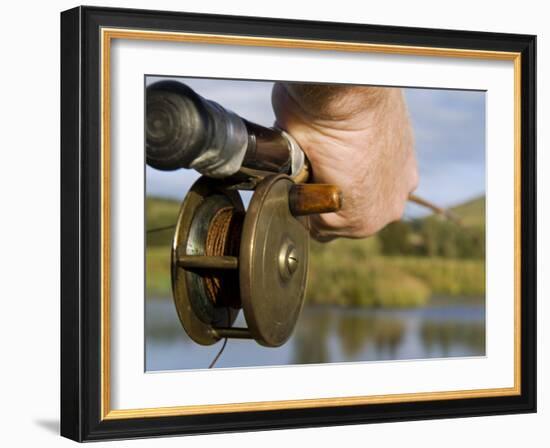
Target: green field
(405,265)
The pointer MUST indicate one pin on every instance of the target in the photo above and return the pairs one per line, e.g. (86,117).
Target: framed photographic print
(276,224)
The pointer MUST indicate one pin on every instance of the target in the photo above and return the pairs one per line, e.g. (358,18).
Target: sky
(449,129)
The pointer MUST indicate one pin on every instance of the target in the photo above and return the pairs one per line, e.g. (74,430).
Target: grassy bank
(351,273)
(393,281)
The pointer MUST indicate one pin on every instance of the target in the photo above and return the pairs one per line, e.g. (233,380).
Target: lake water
(325,334)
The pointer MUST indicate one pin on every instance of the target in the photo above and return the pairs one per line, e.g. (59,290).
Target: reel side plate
(273,263)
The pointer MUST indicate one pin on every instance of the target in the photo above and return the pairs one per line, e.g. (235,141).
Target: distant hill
(471,213)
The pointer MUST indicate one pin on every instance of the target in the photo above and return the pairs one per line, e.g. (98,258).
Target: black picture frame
(81,382)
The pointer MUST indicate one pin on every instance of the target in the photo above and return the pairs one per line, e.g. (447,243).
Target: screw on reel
(225,259)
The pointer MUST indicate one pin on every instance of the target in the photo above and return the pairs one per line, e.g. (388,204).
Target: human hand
(358,138)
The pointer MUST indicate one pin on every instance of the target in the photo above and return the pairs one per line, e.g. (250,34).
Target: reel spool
(225,259)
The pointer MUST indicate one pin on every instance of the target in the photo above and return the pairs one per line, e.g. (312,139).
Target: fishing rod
(225,258)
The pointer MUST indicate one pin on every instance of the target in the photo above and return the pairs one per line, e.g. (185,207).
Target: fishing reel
(225,258)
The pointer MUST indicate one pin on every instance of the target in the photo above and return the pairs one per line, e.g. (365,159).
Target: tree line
(432,237)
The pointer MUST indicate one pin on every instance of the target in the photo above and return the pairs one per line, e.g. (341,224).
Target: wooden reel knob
(309,199)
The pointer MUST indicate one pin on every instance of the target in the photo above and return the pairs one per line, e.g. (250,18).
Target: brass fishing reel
(226,258)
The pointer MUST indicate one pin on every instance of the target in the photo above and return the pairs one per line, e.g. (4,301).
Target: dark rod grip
(185,130)
(178,125)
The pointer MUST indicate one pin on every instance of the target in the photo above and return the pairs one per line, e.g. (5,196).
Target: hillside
(471,213)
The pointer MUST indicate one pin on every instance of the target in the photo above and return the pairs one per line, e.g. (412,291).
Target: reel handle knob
(309,199)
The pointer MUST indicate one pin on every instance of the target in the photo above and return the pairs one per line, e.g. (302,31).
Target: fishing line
(224,343)
(218,355)
(160,229)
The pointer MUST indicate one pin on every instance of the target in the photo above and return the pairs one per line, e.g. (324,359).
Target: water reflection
(443,336)
(326,334)
(310,339)
(355,331)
